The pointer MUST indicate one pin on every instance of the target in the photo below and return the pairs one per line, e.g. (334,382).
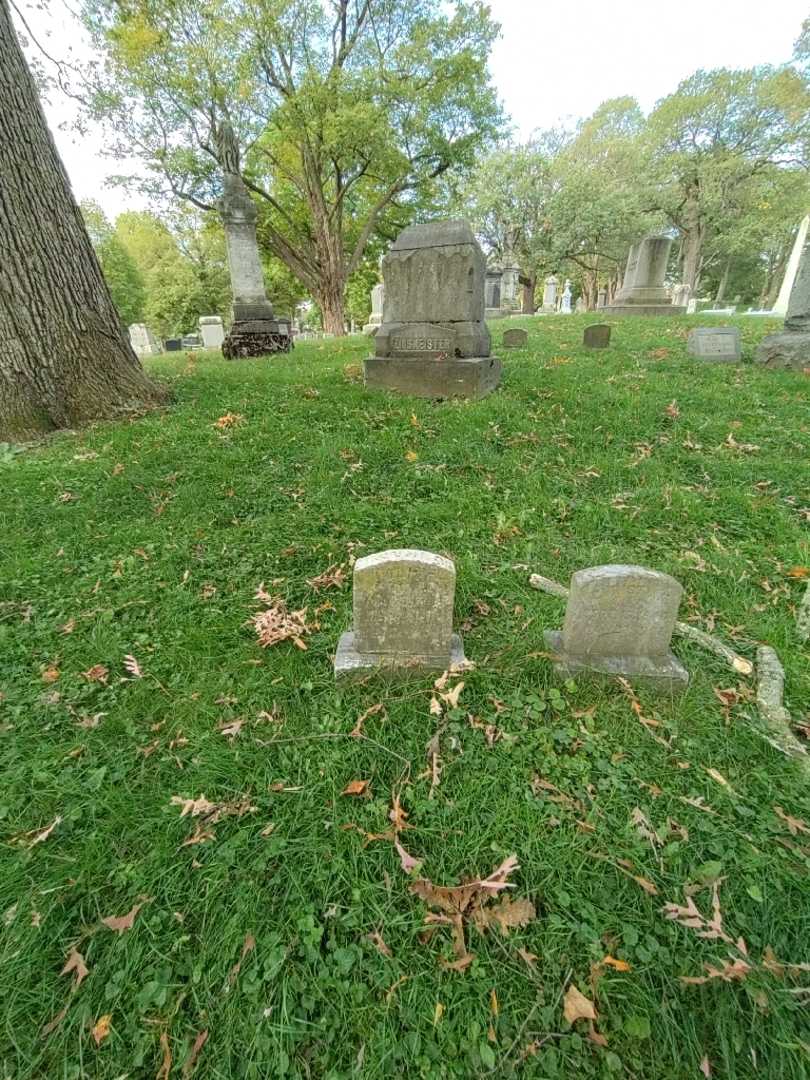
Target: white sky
(553,63)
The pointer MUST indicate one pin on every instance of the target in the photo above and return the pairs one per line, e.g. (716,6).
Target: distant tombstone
(643,291)
(790,347)
(715,344)
(619,620)
(174,344)
(596,336)
(792,268)
(492,293)
(691,305)
(581,305)
(403,615)
(143,341)
(515,338)
(601,298)
(719,345)
(212,331)
(565,302)
(550,295)
(680,295)
(376,317)
(433,341)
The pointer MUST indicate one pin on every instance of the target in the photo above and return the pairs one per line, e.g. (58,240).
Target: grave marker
(715,344)
(516,338)
(596,336)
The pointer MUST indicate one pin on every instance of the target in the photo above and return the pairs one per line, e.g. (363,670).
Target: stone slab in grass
(596,336)
(516,338)
(715,344)
(619,620)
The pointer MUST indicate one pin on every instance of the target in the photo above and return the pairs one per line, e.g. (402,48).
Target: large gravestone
(376,317)
(212,331)
(550,295)
(433,341)
(403,615)
(596,336)
(619,620)
(790,347)
(643,291)
(715,344)
(792,268)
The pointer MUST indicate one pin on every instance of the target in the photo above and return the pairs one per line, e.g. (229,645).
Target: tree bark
(721,288)
(692,243)
(529,285)
(64,356)
(330,300)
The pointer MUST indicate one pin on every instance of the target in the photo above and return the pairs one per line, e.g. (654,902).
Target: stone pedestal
(433,341)
(255,330)
(402,619)
(790,348)
(375,319)
(643,291)
(619,620)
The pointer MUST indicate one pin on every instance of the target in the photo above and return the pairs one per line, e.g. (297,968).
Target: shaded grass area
(150,539)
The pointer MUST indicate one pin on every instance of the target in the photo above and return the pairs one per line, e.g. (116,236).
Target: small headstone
(619,620)
(550,295)
(516,338)
(375,319)
(174,344)
(596,336)
(565,302)
(716,344)
(403,615)
(142,340)
(581,305)
(601,298)
(212,331)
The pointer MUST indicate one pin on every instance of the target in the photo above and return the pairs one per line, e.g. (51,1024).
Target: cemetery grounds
(205,842)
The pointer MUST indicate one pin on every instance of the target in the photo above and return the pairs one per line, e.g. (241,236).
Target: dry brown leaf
(96,673)
(132,666)
(576,1006)
(617,965)
(435,706)
(193,807)
(794,824)
(121,923)
(397,816)
(356,787)
(75,964)
(229,420)
(50,674)
(457,965)
(38,836)
(357,730)
(407,861)
(333,577)
(705,1066)
(191,1060)
(231,729)
(734,970)
(644,828)
(529,958)
(166,1065)
(508,914)
(101,1029)
(277,623)
(718,776)
(54,1023)
(376,938)
(248,945)
(452,696)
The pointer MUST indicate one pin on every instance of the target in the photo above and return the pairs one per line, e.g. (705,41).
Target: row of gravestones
(619,621)
(719,344)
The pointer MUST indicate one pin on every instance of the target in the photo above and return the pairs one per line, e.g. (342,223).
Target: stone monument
(790,347)
(549,305)
(143,341)
(376,317)
(212,331)
(516,338)
(255,330)
(715,344)
(403,615)
(433,341)
(596,336)
(783,299)
(643,291)
(601,298)
(619,620)
(565,302)
(680,296)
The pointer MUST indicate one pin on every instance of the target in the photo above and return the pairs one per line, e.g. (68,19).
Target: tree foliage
(120,270)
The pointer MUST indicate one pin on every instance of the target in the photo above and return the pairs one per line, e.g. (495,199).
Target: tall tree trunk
(692,243)
(721,288)
(529,284)
(330,301)
(64,356)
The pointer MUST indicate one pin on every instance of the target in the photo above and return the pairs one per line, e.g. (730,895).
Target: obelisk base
(786,349)
(253,334)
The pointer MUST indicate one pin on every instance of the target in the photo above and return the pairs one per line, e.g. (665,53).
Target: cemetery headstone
(643,291)
(680,295)
(212,331)
(376,317)
(581,305)
(492,294)
(601,298)
(715,344)
(619,620)
(550,295)
(433,341)
(173,344)
(565,302)
(143,341)
(516,338)
(402,615)
(792,268)
(596,336)
(790,347)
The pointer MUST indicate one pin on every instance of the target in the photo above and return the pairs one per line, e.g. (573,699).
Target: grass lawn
(284,932)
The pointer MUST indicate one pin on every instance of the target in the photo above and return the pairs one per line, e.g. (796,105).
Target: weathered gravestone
(596,336)
(403,615)
(565,302)
(792,268)
(212,331)
(619,620)
(433,341)
(601,298)
(142,340)
(550,295)
(516,338)
(790,347)
(715,344)
(376,317)
(643,292)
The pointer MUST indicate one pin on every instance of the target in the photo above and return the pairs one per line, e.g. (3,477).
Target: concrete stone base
(257,337)
(432,378)
(643,309)
(352,664)
(664,673)
(788,350)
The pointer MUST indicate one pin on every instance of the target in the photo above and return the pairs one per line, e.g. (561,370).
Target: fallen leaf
(718,776)
(132,666)
(529,958)
(407,861)
(617,965)
(96,673)
(356,787)
(452,696)
(232,729)
(38,836)
(277,623)
(50,674)
(166,1065)
(101,1029)
(508,914)
(357,730)
(191,1060)
(576,1006)
(411,455)
(121,923)
(248,945)
(75,964)
(705,1066)
(54,1023)
(438,1013)
(376,938)
(331,578)
(795,825)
